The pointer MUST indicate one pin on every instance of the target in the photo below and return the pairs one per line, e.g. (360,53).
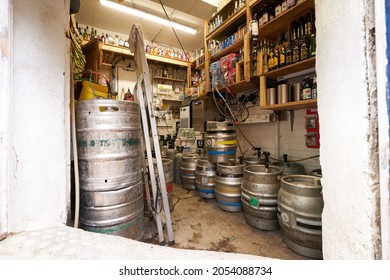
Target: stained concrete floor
(198,223)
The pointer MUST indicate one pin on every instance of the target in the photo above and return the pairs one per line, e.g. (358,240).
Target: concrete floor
(198,223)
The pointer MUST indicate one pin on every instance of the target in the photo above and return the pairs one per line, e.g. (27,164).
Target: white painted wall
(278,139)
(39,187)
(5,111)
(383,123)
(346,87)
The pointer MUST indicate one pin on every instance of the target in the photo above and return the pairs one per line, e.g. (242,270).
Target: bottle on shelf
(284,6)
(314,87)
(288,54)
(278,8)
(306,89)
(291,3)
(254,28)
(102,38)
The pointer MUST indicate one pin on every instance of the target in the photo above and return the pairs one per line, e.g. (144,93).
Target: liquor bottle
(261,12)
(304,48)
(85,35)
(271,59)
(284,6)
(103,38)
(276,57)
(254,28)
(306,89)
(288,54)
(95,34)
(282,55)
(312,48)
(295,45)
(92,34)
(265,14)
(291,3)
(88,37)
(278,8)
(314,88)
(265,56)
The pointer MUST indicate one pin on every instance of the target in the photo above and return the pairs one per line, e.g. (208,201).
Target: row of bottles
(166,52)
(272,55)
(218,20)
(87,34)
(272,10)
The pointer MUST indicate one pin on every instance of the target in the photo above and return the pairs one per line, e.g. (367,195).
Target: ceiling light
(141,14)
(212,2)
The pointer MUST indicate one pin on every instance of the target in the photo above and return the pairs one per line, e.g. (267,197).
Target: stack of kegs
(228,186)
(109,154)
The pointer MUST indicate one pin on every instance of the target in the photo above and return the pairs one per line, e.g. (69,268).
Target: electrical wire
(312,157)
(177,37)
(243,135)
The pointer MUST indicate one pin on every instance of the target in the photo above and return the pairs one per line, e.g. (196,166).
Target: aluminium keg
(220,141)
(253,161)
(228,181)
(316,172)
(109,155)
(204,178)
(290,168)
(187,170)
(300,206)
(259,192)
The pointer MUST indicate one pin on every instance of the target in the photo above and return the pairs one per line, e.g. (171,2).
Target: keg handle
(285,158)
(258,152)
(266,155)
(241,159)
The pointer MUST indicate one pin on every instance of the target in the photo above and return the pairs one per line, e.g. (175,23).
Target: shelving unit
(272,30)
(231,25)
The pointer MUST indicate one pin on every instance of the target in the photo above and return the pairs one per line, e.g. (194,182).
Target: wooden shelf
(239,87)
(279,24)
(303,104)
(106,65)
(226,27)
(168,79)
(171,100)
(233,48)
(126,51)
(296,67)
(200,66)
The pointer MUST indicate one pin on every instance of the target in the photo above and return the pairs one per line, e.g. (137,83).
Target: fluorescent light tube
(141,14)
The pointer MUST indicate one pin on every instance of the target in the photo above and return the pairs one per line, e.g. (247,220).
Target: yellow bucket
(100,91)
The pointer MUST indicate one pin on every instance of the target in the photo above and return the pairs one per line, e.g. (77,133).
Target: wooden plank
(239,66)
(299,66)
(263,92)
(303,104)
(168,79)
(206,58)
(247,59)
(232,49)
